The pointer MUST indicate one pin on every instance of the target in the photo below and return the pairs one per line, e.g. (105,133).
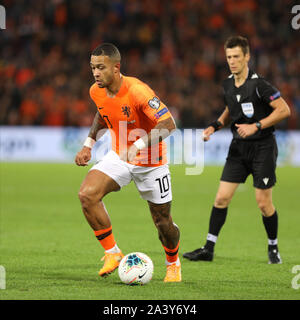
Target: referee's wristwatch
(258,125)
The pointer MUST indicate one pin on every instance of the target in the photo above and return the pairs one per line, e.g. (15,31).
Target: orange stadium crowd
(174,46)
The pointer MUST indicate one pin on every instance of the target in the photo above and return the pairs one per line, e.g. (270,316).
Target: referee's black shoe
(199,254)
(274,256)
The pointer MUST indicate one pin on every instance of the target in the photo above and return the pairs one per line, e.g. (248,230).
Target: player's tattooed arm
(161,131)
(98,124)
(98,129)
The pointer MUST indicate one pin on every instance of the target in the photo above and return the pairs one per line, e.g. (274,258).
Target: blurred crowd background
(174,46)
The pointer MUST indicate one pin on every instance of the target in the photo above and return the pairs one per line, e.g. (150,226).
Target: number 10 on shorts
(164,184)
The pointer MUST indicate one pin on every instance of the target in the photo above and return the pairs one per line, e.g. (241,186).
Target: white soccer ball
(136,268)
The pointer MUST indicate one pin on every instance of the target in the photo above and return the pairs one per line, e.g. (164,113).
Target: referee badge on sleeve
(248,109)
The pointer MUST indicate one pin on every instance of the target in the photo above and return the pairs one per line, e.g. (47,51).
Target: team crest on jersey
(154,103)
(248,109)
(126,111)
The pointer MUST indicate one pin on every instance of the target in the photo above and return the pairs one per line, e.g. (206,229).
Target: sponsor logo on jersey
(160,113)
(248,109)
(154,103)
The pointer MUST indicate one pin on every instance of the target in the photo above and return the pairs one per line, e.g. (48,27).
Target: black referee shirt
(249,103)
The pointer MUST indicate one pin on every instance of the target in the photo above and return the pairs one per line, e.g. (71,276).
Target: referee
(253,106)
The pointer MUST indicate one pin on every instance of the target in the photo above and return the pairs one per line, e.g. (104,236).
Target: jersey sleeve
(266,91)
(224,96)
(92,93)
(149,103)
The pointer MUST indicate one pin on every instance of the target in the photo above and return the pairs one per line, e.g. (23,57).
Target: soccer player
(129,109)
(253,106)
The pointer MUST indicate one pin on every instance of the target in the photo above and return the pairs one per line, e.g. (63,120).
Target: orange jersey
(130,115)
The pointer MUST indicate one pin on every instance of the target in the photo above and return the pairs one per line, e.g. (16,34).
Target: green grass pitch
(49,251)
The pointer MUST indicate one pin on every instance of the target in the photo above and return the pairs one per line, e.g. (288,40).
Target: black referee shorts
(252,157)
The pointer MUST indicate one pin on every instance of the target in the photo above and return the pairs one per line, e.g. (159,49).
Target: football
(136,268)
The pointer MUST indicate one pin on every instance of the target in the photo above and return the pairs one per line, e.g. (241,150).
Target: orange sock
(106,238)
(172,254)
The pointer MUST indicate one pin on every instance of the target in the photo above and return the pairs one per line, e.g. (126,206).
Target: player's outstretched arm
(222,121)
(84,155)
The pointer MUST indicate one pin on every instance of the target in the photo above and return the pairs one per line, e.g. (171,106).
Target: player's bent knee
(88,196)
(84,199)
(222,201)
(265,207)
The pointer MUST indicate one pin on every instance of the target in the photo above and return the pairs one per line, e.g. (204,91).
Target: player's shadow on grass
(219,260)
(64,276)
(223,259)
(60,279)
(78,273)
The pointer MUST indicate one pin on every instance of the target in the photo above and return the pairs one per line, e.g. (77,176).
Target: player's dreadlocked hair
(107,49)
(237,41)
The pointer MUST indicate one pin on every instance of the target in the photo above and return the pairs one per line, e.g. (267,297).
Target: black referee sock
(217,219)
(271,226)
